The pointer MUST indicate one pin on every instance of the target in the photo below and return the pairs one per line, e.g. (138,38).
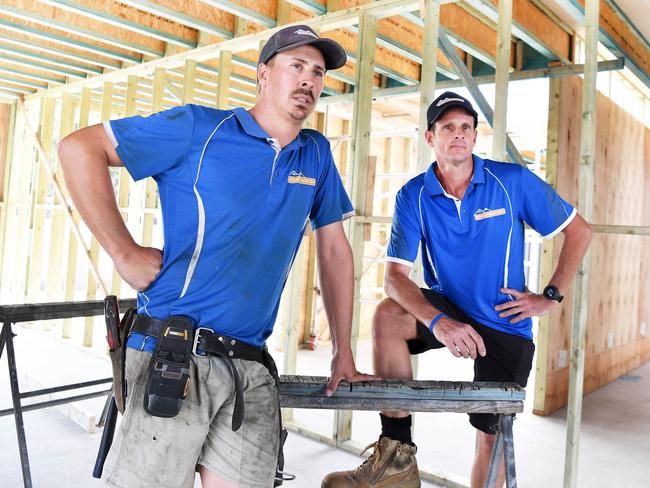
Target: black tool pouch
(169,370)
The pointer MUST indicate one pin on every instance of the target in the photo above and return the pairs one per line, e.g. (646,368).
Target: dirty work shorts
(160,452)
(509,357)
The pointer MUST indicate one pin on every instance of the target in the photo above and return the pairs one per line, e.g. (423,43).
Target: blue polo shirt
(234,209)
(471,248)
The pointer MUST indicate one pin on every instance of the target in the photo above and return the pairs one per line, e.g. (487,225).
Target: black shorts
(509,357)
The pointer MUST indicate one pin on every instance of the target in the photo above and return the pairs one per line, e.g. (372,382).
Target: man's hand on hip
(461,339)
(343,368)
(526,304)
(139,265)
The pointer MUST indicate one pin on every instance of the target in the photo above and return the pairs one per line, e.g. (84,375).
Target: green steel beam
(79,31)
(60,53)
(243,12)
(42,67)
(179,17)
(33,76)
(46,59)
(59,39)
(116,21)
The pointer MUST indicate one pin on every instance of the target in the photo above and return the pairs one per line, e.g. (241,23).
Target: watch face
(552,293)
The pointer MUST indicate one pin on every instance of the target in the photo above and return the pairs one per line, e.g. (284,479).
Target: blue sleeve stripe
(562,225)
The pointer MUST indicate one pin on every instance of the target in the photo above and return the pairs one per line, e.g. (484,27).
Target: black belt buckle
(169,370)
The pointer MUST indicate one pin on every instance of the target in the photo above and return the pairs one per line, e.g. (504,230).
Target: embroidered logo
(486,213)
(300,179)
(447,100)
(306,33)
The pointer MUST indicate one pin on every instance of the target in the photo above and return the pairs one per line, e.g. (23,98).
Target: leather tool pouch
(169,370)
(118,360)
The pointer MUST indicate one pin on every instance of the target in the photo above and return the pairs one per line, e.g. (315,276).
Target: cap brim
(451,105)
(332,52)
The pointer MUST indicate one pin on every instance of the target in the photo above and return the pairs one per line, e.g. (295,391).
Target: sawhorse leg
(503,442)
(8,339)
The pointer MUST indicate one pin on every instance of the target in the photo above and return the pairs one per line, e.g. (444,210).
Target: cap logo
(306,33)
(447,100)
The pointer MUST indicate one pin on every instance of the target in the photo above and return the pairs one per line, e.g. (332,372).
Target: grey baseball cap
(302,35)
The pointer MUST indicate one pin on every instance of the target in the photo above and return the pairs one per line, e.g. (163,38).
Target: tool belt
(169,369)
(166,368)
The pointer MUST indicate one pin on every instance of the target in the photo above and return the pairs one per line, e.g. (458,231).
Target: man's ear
(262,73)
(429,136)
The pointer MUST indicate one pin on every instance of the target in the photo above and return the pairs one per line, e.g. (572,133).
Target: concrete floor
(614,442)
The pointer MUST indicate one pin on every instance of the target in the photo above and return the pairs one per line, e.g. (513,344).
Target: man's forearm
(85,169)
(336,270)
(577,237)
(407,294)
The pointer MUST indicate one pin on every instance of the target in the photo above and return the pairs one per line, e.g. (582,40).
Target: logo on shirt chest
(300,179)
(486,213)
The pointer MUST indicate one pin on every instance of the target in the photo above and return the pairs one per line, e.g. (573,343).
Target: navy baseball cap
(446,101)
(302,35)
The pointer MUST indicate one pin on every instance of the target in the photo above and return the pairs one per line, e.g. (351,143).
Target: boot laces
(372,461)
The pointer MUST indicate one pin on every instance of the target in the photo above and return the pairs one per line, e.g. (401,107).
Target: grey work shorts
(163,452)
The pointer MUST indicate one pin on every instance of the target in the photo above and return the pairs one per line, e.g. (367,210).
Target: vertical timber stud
(73,245)
(151,192)
(124,184)
(39,199)
(225,72)
(91,289)
(431,15)
(501,78)
(54,285)
(585,207)
(189,81)
(546,265)
(364,79)
(6,158)
(284,12)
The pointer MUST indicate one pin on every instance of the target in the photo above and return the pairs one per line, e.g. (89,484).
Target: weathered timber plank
(421,396)
(376,404)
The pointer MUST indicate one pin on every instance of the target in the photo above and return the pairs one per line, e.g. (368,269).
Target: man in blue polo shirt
(237,189)
(467,217)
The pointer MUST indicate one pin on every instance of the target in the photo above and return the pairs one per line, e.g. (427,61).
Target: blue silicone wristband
(435,320)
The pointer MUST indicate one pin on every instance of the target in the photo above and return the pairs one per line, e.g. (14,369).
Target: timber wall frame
(140,76)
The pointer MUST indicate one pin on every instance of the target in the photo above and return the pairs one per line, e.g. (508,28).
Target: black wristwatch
(552,293)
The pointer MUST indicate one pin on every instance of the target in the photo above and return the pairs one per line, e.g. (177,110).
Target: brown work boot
(391,465)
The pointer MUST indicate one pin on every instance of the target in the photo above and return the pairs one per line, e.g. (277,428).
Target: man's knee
(391,322)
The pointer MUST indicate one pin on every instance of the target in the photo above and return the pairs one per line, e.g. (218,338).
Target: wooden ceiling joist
(96,31)
(43,32)
(46,47)
(62,63)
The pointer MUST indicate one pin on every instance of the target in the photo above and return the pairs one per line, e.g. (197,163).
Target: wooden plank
(370,194)
(225,71)
(585,207)
(547,264)
(189,81)
(39,197)
(417,396)
(7,120)
(360,152)
(499,127)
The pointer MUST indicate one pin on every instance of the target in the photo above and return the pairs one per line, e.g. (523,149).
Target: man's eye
(297,65)
(319,74)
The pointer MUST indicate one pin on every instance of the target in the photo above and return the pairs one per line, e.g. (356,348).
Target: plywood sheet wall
(618,330)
